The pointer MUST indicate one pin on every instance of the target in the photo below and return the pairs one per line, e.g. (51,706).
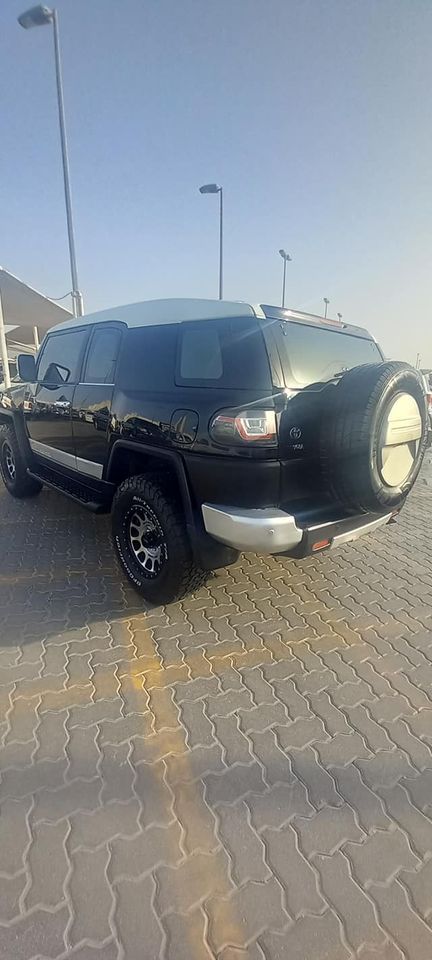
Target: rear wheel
(13,468)
(151,542)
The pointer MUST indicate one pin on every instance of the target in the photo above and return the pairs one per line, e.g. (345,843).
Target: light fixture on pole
(339,316)
(286,259)
(215,188)
(326,301)
(39,17)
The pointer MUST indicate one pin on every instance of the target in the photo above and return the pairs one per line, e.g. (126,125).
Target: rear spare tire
(373,435)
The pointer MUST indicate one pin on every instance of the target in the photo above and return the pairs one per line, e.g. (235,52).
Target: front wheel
(151,542)
(13,468)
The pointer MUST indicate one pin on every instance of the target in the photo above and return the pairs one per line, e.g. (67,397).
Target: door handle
(62,404)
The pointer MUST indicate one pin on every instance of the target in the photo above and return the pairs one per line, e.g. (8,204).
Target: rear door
(48,402)
(92,399)
(311,357)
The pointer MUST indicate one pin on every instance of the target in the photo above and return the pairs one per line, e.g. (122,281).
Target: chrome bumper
(274,531)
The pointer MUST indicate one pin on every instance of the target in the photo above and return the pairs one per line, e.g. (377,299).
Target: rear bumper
(274,531)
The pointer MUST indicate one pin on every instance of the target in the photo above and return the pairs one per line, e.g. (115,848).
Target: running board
(77,492)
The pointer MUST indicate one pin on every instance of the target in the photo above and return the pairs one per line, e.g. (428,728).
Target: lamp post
(215,188)
(286,259)
(326,301)
(39,17)
(339,316)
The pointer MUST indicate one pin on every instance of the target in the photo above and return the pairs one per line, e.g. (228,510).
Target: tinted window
(102,356)
(60,359)
(201,353)
(148,358)
(227,353)
(311,355)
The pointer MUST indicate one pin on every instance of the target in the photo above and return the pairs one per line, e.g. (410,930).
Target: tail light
(244,427)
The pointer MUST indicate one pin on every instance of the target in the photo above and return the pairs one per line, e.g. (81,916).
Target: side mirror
(26,367)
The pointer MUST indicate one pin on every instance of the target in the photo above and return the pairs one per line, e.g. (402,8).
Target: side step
(75,491)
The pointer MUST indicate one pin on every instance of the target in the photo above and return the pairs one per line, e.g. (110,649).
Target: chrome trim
(53,453)
(89,467)
(262,531)
(350,535)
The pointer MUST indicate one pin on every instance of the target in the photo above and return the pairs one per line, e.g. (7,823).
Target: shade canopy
(22,309)
(25,308)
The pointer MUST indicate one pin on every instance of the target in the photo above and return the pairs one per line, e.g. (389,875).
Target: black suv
(210,428)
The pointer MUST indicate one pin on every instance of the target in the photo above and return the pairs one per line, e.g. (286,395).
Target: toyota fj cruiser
(209,428)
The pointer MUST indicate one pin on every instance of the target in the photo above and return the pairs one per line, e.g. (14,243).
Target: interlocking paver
(193,881)
(134,856)
(93,905)
(15,834)
(246,775)
(48,850)
(299,879)
(368,806)
(279,805)
(382,855)
(136,921)
(419,885)
(327,830)
(350,901)
(91,829)
(406,926)
(197,820)
(186,936)
(39,933)
(274,761)
(317,938)
(245,848)
(243,916)
(11,889)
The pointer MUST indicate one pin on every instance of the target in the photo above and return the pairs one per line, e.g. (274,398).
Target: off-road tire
(350,435)
(179,574)
(13,468)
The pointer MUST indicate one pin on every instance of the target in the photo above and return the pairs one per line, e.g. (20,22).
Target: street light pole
(221,244)
(215,188)
(286,259)
(76,294)
(326,301)
(39,16)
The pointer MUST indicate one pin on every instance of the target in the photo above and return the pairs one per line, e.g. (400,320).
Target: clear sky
(315,115)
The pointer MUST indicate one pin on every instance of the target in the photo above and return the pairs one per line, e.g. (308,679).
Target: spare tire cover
(373,435)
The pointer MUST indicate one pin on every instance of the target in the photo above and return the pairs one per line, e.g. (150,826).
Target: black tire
(161,568)
(352,436)
(13,468)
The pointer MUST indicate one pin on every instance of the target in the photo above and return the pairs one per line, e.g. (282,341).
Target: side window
(60,359)
(147,358)
(229,353)
(201,353)
(102,356)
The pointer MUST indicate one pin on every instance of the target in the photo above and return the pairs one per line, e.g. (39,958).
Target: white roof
(154,312)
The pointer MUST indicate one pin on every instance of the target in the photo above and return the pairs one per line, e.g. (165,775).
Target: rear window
(311,355)
(228,353)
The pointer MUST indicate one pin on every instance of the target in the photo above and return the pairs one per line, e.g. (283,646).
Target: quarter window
(201,353)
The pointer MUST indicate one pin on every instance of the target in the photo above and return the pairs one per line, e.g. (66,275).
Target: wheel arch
(128,458)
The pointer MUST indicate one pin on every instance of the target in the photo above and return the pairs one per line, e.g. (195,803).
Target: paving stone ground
(246,775)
